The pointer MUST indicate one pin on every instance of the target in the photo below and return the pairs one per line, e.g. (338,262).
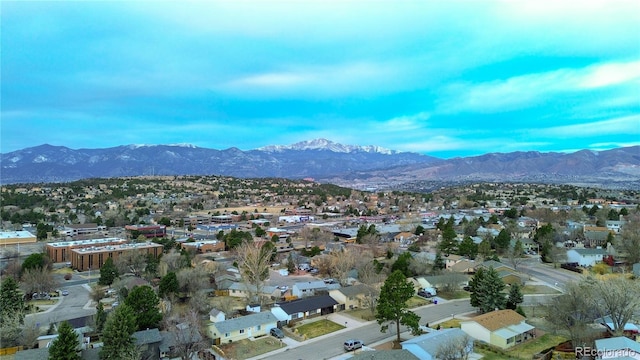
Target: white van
(352,344)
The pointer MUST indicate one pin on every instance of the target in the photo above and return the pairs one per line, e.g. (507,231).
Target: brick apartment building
(61,251)
(94,257)
(149,231)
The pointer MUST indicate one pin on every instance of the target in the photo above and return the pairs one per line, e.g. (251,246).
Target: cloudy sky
(444,78)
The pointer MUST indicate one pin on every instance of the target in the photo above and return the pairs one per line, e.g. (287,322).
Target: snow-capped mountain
(324,144)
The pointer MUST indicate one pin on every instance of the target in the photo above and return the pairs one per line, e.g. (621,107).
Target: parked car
(277,333)
(424,294)
(353,344)
(65,292)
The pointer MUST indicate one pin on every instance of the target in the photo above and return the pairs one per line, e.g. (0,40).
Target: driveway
(72,306)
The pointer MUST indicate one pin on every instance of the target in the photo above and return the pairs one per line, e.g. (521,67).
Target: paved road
(557,277)
(70,307)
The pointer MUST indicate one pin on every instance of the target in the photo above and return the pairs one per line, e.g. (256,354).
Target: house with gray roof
(429,346)
(240,328)
(240,289)
(354,296)
(148,343)
(309,288)
(384,355)
(304,308)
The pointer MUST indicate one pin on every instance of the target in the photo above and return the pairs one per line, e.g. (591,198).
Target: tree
(618,298)
(342,261)
(35,261)
(503,240)
(168,285)
(144,302)
(438,262)
(448,245)
(253,261)
(108,273)
(484,248)
(101,317)
(487,290)
(516,254)
(515,297)
(457,348)
(629,241)
(186,335)
(392,305)
(402,264)
(117,335)
(11,312)
(132,261)
(574,311)
(66,345)
(468,248)
(291,264)
(38,279)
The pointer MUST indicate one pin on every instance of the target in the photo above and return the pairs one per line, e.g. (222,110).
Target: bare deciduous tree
(185,334)
(192,280)
(253,262)
(629,241)
(342,262)
(574,311)
(131,262)
(618,298)
(457,348)
(38,280)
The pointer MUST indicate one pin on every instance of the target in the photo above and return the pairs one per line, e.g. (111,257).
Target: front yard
(524,351)
(245,349)
(317,328)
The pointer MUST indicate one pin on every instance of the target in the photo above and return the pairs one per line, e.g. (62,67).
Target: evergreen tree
(291,264)
(503,240)
(392,304)
(438,262)
(101,317)
(515,297)
(402,264)
(144,302)
(108,273)
(490,292)
(168,284)
(66,345)
(484,248)
(10,299)
(117,335)
(468,248)
(474,287)
(448,245)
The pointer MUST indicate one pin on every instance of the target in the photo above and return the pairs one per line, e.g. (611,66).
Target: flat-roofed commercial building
(16,237)
(202,247)
(61,251)
(94,257)
(84,230)
(149,231)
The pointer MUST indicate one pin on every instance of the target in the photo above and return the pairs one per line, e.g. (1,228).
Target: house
(403,236)
(148,343)
(181,335)
(620,347)
(596,235)
(308,288)
(352,297)
(586,257)
(304,308)
(240,289)
(428,346)
(508,274)
(501,328)
(241,328)
(464,267)
(216,315)
(628,328)
(452,259)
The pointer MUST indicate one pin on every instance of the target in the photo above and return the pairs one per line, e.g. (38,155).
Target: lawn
(459,294)
(318,328)
(364,314)
(451,323)
(417,301)
(524,351)
(245,349)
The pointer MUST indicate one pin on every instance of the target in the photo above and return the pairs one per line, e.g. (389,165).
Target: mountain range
(369,167)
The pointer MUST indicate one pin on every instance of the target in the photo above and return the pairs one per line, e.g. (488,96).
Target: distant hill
(323,160)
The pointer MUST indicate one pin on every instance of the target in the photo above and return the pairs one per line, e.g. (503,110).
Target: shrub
(68,276)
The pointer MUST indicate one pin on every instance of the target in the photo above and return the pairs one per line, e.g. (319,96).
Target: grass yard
(538,289)
(364,314)
(318,328)
(417,301)
(459,294)
(524,351)
(452,323)
(245,349)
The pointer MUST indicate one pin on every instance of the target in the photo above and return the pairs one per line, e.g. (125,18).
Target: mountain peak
(324,144)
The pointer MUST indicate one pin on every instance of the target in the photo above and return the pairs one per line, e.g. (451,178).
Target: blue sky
(443,78)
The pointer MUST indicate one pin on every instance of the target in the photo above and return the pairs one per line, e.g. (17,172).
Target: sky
(442,78)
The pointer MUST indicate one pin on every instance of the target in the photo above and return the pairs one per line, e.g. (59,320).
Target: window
(294,316)
(226,334)
(241,331)
(509,340)
(258,327)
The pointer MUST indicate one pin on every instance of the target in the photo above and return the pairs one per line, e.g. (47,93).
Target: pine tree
(168,284)
(117,335)
(101,317)
(392,304)
(108,273)
(474,287)
(491,290)
(144,302)
(515,297)
(10,299)
(66,345)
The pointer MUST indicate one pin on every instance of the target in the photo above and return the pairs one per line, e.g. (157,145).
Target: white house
(243,327)
(586,257)
(308,288)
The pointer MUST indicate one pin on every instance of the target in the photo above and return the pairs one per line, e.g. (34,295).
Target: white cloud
(617,126)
